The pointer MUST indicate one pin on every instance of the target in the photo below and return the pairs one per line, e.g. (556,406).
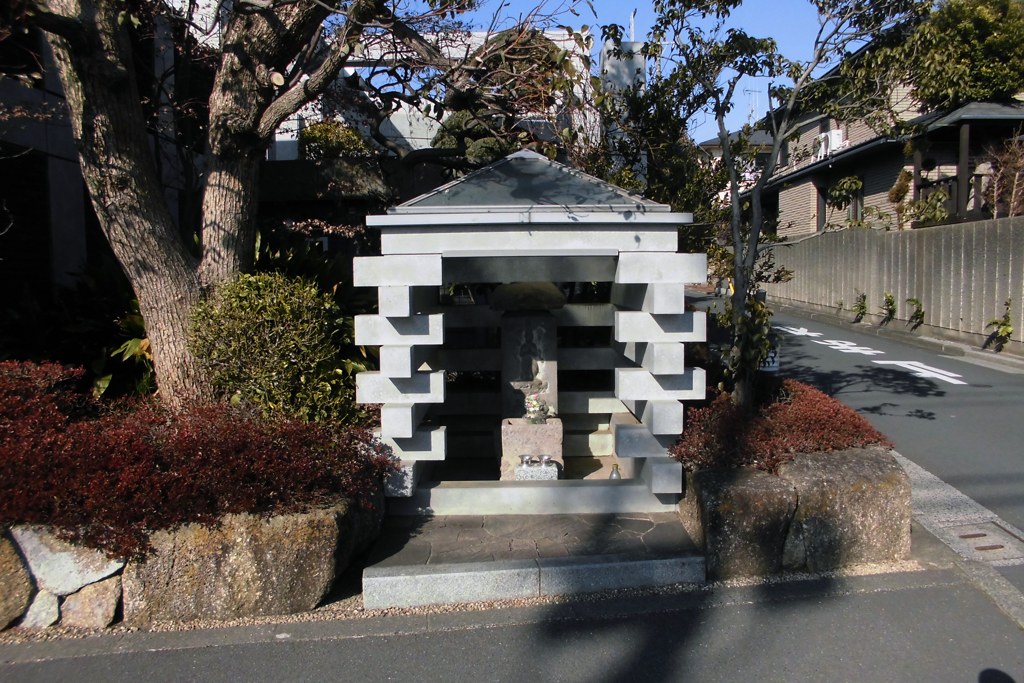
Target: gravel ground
(346,602)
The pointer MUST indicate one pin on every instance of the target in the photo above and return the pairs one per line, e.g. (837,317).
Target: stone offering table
(521,437)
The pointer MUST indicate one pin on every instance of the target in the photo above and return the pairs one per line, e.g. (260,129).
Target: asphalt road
(961,421)
(881,628)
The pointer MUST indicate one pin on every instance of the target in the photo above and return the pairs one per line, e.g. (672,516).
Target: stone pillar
(529,352)
(529,362)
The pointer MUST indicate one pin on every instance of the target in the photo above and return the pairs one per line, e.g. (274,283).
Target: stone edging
(247,566)
(823,511)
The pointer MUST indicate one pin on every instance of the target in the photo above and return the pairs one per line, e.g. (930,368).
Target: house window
(855,211)
(841,203)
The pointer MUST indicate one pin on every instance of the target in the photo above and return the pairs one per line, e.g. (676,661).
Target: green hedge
(275,343)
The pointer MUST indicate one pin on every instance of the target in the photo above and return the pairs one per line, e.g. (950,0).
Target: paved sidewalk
(915,626)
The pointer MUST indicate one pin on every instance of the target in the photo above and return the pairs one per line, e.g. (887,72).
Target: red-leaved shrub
(802,420)
(108,479)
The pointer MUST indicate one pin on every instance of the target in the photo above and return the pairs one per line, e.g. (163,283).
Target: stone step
(564,496)
(432,584)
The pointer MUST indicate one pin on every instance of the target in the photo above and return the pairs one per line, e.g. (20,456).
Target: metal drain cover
(987,542)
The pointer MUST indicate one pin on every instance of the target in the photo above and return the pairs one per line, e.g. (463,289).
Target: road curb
(703,597)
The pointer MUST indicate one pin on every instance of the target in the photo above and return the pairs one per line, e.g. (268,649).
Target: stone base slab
(564,496)
(413,586)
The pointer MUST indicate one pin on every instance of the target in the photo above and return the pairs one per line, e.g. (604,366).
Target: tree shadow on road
(803,629)
(862,379)
(667,636)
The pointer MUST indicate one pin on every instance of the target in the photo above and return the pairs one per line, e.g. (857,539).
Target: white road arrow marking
(798,331)
(848,347)
(922,370)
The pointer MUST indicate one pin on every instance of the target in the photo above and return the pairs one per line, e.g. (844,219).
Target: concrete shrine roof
(527,181)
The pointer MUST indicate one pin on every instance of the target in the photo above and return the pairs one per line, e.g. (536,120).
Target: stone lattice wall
(638,418)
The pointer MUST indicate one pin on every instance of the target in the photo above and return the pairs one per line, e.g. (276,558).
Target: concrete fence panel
(962,274)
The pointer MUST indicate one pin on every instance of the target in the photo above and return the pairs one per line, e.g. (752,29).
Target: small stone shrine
(544,394)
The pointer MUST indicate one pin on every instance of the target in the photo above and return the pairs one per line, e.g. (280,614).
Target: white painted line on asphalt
(849,347)
(918,369)
(798,331)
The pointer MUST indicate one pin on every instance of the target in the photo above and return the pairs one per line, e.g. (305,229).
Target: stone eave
(482,216)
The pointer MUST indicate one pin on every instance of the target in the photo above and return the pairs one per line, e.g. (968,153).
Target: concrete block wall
(962,274)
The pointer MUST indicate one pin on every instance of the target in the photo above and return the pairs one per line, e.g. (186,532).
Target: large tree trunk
(117,162)
(229,216)
(93,53)
(241,91)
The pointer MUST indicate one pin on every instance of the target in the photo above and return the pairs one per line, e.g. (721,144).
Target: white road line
(918,369)
(798,331)
(849,347)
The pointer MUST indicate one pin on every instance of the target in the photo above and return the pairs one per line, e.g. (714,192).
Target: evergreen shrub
(108,477)
(331,140)
(275,343)
(795,419)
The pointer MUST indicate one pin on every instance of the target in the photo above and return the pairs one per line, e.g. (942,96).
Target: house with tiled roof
(947,151)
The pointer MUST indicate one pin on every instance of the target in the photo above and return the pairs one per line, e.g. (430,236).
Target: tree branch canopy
(709,59)
(270,59)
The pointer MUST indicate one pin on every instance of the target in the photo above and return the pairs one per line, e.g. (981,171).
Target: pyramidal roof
(527,181)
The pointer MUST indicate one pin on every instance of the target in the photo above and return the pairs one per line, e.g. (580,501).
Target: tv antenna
(754,97)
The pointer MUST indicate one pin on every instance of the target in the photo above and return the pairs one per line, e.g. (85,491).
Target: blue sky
(792,23)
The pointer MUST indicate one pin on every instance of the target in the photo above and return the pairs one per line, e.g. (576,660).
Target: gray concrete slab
(468,558)
(415,585)
(569,575)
